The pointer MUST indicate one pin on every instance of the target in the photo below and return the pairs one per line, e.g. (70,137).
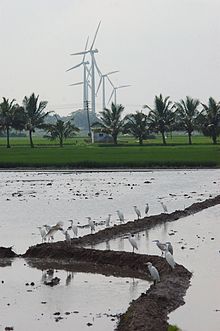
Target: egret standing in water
(137,211)
(161,246)
(120,216)
(153,272)
(169,258)
(74,228)
(146,208)
(67,237)
(107,221)
(132,241)
(91,224)
(164,207)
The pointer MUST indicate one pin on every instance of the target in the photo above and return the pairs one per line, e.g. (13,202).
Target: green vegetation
(127,154)
(173,328)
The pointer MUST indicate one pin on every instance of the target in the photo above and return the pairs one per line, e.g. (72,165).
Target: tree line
(165,116)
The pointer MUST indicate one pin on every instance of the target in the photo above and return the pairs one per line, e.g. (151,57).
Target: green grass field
(128,154)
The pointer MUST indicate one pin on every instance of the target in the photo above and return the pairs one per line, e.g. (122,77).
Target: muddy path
(145,223)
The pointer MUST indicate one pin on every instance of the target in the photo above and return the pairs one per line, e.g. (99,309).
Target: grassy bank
(90,156)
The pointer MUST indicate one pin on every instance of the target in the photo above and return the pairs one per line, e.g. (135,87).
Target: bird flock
(48,232)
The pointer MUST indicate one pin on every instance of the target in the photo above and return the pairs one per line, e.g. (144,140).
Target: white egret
(121,216)
(169,258)
(153,272)
(160,245)
(74,228)
(42,233)
(146,208)
(137,211)
(50,234)
(132,241)
(107,221)
(164,207)
(91,224)
(170,247)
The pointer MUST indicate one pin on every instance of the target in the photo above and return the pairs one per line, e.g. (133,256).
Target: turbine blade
(85,49)
(122,86)
(110,81)
(95,36)
(100,81)
(78,65)
(111,72)
(111,96)
(80,53)
(80,83)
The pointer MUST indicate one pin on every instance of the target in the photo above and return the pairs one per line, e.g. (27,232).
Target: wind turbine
(102,81)
(114,92)
(85,78)
(92,52)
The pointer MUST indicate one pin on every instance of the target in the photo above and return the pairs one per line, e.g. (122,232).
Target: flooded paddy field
(81,300)
(31,199)
(196,242)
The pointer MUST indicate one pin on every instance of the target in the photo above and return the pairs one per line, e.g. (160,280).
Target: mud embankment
(7,252)
(145,223)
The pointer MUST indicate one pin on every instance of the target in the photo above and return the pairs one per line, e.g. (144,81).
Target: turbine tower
(103,81)
(92,52)
(85,78)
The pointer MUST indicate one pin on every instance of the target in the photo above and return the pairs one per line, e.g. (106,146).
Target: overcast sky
(160,46)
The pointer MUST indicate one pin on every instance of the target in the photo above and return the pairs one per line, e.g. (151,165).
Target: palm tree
(187,115)
(210,119)
(34,115)
(111,122)
(10,117)
(161,117)
(137,125)
(61,130)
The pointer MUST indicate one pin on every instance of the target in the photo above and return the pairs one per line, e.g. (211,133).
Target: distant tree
(111,121)
(34,115)
(161,117)
(61,130)
(137,125)
(11,116)
(210,119)
(187,115)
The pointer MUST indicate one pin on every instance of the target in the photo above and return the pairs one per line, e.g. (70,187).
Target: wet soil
(6,252)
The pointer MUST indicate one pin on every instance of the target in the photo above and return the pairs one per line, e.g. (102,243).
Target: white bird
(121,216)
(160,245)
(50,234)
(42,233)
(107,221)
(137,211)
(169,258)
(67,237)
(164,207)
(132,241)
(91,224)
(146,208)
(170,247)
(74,228)
(153,272)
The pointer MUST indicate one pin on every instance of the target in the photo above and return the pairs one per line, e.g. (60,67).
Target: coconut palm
(137,125)
(161,117)
(187,115)
(10,117)
(111,121)
(34,115)
(210,119)
(61,130)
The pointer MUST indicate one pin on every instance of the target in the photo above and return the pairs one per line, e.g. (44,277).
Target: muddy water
(196,242)
(79,299)
(30,199)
